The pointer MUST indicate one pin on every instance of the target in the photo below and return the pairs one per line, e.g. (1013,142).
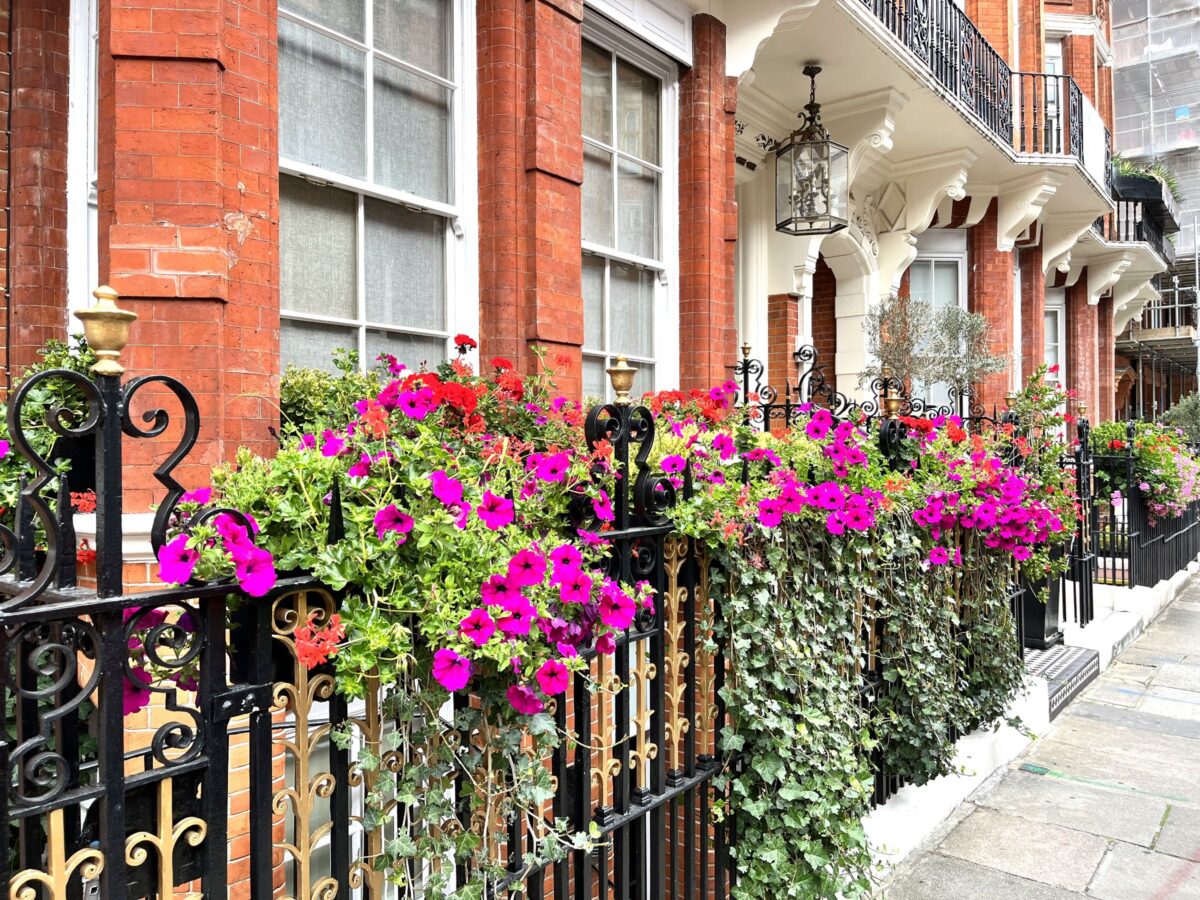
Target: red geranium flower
(464,343)
(502,363)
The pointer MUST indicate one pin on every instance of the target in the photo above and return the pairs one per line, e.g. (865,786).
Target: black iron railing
(960,58)
(1049,114)
(1130,223)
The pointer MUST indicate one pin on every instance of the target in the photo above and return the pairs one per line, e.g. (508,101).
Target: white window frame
(622,45)
(1056,303)
(461,216)
(83,238)
(942,245)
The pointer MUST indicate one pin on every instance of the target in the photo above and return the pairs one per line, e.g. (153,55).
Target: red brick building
(264,181)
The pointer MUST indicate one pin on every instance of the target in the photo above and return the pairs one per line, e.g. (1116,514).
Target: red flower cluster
(83,502)
(314,647)
(1116,445)
(464,343)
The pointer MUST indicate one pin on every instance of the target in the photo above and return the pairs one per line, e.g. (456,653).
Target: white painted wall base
(915,814)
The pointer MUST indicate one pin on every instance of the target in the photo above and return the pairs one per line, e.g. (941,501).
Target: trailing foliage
(311,400)
(1165,470)
(1184,414)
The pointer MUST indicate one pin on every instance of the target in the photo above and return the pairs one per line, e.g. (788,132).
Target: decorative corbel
(1123,315)
(897,250)
(1105,271)
(927,181)
(982,196)
(748,29)
(1021,202)
(865,125)
(1061,232)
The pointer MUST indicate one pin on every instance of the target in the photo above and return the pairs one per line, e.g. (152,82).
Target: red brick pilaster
(38,186)
(1079,59)
(5,87)
(824,315)
(993,22)
(1033,35)
(707,211)
(530,172)
(783,330)
(188,203)
(1082,355)
(1033,310)
(990,293)
(1106,355)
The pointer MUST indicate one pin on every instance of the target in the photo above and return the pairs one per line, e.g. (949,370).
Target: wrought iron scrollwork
(65,423)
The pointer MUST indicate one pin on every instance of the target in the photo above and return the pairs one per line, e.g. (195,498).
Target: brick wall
(1033,310)
(783,325)
(1082,356)
(1106,382)
(707,211)
(5,86)
(1033,38)
(1079,60)
(990,293)
(824,315)
(530,172)
(188,208)
(992,20)
(38,186)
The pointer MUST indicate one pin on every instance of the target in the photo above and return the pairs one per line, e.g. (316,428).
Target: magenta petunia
(134,695)
(200,495)
(606,644)
(602,507)
(176,561)
(617,609)
(576,587)
(591,538)
(447,489)
(4,448)
(477,627)
(390,519)
(553,467)
(416,404)
(724,446)
(519,617)
(450,670)
(939,556)
(770,512)
(527,568)
(566,558)
(524,699)
(498,590)
(235,537)
(553,677)
(495,512)
(673,464)
(333,445)
(256,573)
(362,468)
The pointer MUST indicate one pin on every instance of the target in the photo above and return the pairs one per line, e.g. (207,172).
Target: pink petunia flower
(939,556)
(527,568)
(390,519)
(519,617)
(566,558)
(576,587)
(673,464)
(176,561)
(200,495)
(524,700)
(447,489)
(723,444)
(478,627)
(554,467)
(591,538)
(256,573)
(334,444)
(553,677)
(606,644)
(450,670)
(603,508)
(617,609)
(4,448)
(495,512)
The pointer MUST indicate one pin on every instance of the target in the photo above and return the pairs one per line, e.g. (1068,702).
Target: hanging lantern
(812,190)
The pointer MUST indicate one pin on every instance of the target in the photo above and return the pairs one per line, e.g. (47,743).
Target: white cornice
(1063,24)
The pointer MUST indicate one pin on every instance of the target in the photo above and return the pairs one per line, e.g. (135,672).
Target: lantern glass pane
(839,187)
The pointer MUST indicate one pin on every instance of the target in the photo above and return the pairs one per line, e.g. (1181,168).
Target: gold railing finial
(746,350)
(621,378)
(1010,399)
(106,328)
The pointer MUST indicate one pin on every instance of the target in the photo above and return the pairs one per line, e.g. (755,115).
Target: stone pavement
(1106,804)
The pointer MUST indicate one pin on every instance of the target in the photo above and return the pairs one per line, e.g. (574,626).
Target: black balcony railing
(1129,224)
(1050,114)
(958,55)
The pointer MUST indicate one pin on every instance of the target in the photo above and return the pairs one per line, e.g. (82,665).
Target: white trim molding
(665,25)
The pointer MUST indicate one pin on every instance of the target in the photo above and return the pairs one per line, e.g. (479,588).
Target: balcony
(1132,222)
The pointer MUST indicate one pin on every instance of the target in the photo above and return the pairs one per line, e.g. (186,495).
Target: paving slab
(1184,675)
(1051,854)
(1102,812)
(1172,702)
(1132,873)
(1101,767)
(1125,694)
(939,877)
(1148,721)
(1180,835)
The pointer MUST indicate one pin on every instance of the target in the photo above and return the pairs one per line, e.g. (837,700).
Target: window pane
(593,302)
(595,379)
(597,93)
(638,195)
(346,16)
(412,133)
(311,346)
(637,112)
(920,279)
(631,312)
(317,249)
(945,284)
(597,196)
(406,266)
(321,101)
(416,31)
(410,349)
(1051,346)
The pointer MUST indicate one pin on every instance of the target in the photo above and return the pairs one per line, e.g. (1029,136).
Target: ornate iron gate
(111,801)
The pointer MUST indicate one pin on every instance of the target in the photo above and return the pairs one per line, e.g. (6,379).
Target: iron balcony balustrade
(1130,223)
(1032,112)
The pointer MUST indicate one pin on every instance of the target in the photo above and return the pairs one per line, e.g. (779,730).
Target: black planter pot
(1040,621)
